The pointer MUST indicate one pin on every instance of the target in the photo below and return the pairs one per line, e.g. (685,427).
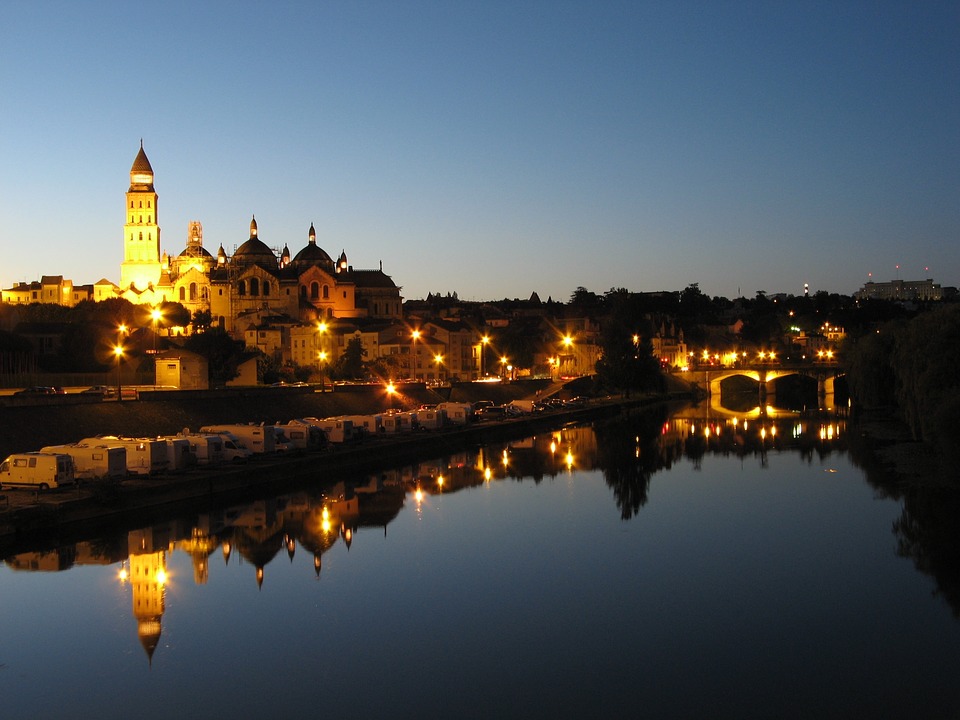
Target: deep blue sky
(495,148)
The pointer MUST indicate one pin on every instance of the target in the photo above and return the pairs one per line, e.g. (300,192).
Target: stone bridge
(767,376)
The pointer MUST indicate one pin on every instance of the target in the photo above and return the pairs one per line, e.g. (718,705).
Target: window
(183,294)
(241,288)
(193,291)
(254,286)
(303,291)
(326,292)
(266,288)
(314,291)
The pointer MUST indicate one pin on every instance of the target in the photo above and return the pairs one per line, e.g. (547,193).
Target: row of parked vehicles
(114,457)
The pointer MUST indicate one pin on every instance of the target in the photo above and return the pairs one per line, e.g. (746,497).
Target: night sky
(495,148)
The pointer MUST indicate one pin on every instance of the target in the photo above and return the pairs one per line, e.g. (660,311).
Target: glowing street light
(321,354)
(438,359)
(414,336)
(483,351)
(156,315)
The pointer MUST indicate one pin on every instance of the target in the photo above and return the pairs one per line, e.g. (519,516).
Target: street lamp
(483,351)
(156,315)
(503,365)
(438,358)
(415,335)
(321,354)
(118,352)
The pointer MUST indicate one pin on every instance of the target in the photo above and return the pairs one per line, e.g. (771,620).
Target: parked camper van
(365,424)
(457,413)
(234,449)
(336,429)
(179,457)
(93,463)
(145,456)
(207,449)
(259,439)
(36,469)
(301,435)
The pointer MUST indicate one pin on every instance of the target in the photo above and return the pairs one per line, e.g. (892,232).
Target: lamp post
(118,352)
(156,315)
(415,335)
(483,351)
(568,345)
(322,356)
(321,353)
(438,358)
(503,366)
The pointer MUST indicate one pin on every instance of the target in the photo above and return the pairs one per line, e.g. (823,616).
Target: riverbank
(29,518)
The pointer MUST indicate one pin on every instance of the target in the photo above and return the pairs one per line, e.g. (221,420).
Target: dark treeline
(909,366)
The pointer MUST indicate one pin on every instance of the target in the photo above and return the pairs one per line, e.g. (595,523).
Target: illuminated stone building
(255,280)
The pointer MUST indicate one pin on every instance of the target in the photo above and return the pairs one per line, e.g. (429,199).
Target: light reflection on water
(671,567)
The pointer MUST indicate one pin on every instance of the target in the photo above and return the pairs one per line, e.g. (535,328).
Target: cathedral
(240,290)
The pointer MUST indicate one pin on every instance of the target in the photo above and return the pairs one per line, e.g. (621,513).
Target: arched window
(141,236)
(183,294)
(314,291)
(141,203)
(303,291)
(241,288)
(193,291)
(266,288)
(254,286)
(131,207)
(326,292)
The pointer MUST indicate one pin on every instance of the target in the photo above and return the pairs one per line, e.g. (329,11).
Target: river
(658,566)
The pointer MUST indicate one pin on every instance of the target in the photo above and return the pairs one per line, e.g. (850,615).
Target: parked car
(36,390)
(103,390)
(491,412)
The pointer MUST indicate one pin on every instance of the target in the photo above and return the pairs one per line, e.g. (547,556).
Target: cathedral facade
(242,289)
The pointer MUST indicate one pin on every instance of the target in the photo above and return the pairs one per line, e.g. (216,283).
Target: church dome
(312,254)
(255,251)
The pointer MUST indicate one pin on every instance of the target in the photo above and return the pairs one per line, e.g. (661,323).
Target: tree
(223,353)
(627,362)
(350,363)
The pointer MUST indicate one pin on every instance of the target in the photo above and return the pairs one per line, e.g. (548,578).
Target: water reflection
(628,450)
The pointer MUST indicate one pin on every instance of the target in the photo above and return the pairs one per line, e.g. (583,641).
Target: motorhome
(432,419)
(179,456)
(259,439)
(93,463)
(43,471)
(207,449)
(457,413)
(367,424)
(399,422)
(302,435)
(145,456)
(336,429)
(233,447)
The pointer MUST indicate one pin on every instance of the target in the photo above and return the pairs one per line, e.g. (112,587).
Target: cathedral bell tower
(141,233)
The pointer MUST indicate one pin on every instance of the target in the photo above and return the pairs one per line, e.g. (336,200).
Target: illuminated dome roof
(312,254)
(196,252)
(255,251)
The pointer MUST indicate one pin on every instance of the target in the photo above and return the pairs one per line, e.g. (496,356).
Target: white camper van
(145,456)
(179,457)
(93,463)
(301,435)
(259,439)
(366,424)
(336,429)
(457,413)
(36,469)
(234,449)
(207,449)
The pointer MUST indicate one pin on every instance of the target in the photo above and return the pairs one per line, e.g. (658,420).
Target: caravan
(145,456)
(93,463)
(36,469)
(259,439)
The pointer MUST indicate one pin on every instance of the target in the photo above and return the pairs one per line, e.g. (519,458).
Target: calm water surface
(675,570)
